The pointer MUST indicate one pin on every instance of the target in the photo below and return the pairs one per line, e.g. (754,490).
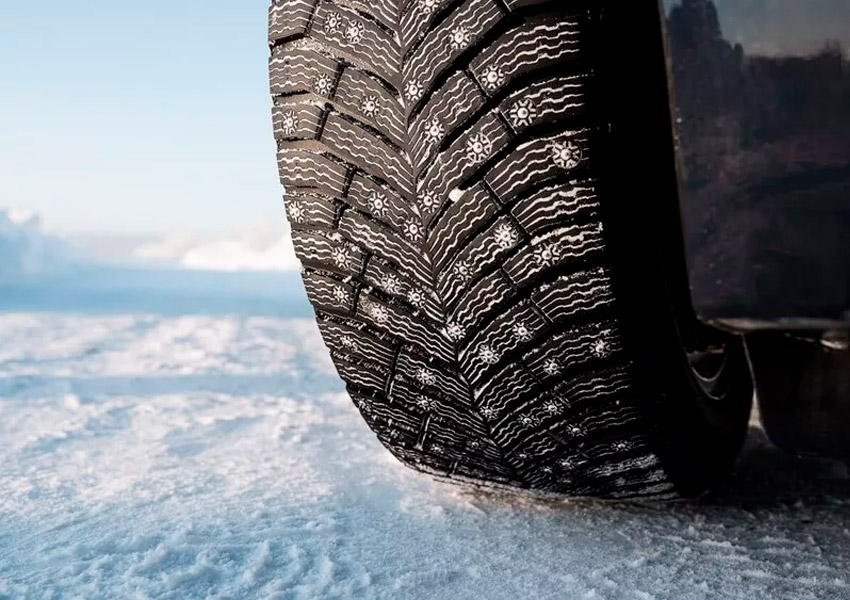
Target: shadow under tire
(486,293)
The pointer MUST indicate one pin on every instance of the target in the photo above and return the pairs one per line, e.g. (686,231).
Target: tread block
(549,101)
(572,295)
(509,332)
(328,252)
(289,18)
(294,69)
(425,373)
(463,217)
(392,282)
(301,168)
(499,394)
(555,249)
(546,43)
(348,340)
(330,295)
(572,349)
(310,210)
(482,298)
(382,242)
(539,160)
(367,151)
(387,317)
(557,204)
(380,202)
(362,96)
(295,120)
(361,376)
(360,40)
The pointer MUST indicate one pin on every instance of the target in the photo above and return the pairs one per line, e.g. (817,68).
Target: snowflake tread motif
(413,90)
(416,298)
(565,154)
(295,211)
(506,236)
(427,202)
(488,355)
(370,106)
(341,256)
(552,367)
(435,131)
(333,22)
(379,313)
(462,270)
(522,113)
(323,85)
(459,38)
(289,122)
(340,295)
(478,147)
(378,204)
(492,78)
(391,284)
(522,333)
(425,376)
(429,6)
(353,32)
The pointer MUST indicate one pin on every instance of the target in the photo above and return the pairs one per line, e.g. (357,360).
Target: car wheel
(498,312)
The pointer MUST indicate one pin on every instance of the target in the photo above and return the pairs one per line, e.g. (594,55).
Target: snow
(265,248)
(185,445)
(25,249)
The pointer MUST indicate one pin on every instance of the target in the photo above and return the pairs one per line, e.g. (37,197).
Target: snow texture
(192,453)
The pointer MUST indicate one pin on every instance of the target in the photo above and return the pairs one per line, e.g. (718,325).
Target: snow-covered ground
(184,436)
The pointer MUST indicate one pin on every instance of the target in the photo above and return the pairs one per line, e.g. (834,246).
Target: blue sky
(137,117)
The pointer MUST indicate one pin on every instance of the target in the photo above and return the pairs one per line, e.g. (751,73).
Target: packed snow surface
(192,453)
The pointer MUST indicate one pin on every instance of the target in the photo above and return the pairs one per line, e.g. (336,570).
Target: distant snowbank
(26,250)
(263,249)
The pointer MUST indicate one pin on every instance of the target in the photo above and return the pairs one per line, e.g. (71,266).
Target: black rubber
(498,313)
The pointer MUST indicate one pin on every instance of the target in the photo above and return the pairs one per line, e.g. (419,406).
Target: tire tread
(456,262)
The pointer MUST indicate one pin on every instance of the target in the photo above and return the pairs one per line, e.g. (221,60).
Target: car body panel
(760,97)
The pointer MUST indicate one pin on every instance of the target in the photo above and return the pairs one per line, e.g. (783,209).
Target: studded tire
(471,267)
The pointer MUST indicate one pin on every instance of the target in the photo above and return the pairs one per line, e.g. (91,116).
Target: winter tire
(501,308)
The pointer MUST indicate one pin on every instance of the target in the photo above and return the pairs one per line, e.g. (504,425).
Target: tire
(472,271)
(804,393)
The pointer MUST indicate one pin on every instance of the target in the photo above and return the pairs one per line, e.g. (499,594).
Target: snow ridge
(25,249)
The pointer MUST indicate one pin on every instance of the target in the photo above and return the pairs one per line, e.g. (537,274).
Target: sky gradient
(137,117)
